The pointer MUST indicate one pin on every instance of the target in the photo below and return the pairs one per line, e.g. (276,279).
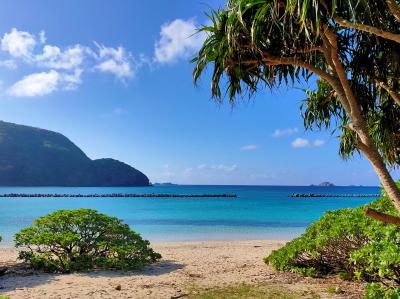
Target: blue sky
(115,78)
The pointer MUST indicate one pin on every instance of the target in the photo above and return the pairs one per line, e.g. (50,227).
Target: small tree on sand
(73,240)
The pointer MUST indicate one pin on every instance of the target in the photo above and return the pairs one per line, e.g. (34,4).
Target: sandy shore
(206,264)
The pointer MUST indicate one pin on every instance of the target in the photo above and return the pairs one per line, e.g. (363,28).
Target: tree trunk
(382,216)
(380,168)
(369,149)
(359,126)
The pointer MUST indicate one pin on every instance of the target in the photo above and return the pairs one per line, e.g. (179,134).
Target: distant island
(36,157)
(164,184)
(324,184)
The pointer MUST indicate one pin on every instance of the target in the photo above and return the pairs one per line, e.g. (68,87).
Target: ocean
(258,212)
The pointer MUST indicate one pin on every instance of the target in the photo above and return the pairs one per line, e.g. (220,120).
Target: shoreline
(284,234)
(203,264)
(11,247)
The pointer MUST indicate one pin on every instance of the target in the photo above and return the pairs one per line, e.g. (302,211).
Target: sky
(115,77)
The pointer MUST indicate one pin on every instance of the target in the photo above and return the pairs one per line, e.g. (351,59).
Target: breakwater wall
(332,195)
(37,195)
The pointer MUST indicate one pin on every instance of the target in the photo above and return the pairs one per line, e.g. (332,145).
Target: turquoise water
(259,212)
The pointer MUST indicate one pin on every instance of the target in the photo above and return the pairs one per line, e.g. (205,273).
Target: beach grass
(247,291)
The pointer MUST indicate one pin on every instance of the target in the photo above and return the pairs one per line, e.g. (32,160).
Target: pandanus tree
(378,20)
(336,44)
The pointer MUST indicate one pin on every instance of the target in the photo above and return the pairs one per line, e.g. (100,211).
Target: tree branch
(394,95)
(349,101)
(273,60)
(270,60)
(308,50)
(394,9)
(369,29)
(382,216)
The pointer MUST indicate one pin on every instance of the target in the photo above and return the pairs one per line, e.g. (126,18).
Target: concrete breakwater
(109,195)
(332,195)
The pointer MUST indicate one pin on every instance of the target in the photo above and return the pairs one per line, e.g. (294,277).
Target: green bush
(377,291)
(348,243)
(74,240)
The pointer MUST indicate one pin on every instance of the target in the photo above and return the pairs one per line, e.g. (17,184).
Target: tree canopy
(353,47)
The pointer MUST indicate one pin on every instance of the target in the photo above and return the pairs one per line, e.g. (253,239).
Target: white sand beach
(184,264)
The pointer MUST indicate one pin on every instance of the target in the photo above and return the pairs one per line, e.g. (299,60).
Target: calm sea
(259,212)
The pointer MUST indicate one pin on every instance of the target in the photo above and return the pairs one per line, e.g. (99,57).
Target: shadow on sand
(19,275)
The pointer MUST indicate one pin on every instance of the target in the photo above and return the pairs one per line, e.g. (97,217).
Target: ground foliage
(348,243)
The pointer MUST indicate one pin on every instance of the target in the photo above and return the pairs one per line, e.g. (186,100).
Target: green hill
(36,157)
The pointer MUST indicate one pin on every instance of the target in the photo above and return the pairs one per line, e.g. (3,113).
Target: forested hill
(36,157)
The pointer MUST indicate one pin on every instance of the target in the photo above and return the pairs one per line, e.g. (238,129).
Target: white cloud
(318,142)
(300,142)
(115,61)
(177,39)
(72,80)
(42,37)
(43,83)
(69,59)
(61,68)
(284,132)
(36,84)
(249,148)
(56,68)
(121,70)
(18,43)
(9,64)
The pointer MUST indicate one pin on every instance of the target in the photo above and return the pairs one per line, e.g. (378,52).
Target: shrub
(346,241)
(73,240)
(377,291)
(324,247)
